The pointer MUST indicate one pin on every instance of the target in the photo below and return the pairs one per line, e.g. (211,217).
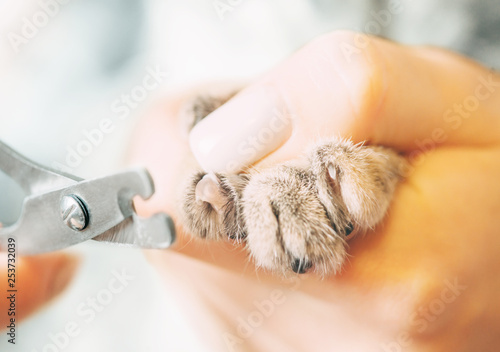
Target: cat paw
(286,224)
(355,183)
(211,207)
(295,217)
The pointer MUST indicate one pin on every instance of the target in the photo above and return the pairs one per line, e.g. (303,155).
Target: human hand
(37,280)
(425,280)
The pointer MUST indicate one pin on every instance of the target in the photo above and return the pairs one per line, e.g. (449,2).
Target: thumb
(36,280)
(352,85)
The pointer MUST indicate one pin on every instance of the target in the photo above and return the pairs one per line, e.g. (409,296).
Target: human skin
(425,279)
(38,280)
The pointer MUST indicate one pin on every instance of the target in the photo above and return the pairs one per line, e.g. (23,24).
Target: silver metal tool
(61,210)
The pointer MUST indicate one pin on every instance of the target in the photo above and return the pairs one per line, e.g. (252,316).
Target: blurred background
(65,66)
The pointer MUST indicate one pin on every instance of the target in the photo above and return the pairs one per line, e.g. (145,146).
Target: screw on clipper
(61,210)
(74,212)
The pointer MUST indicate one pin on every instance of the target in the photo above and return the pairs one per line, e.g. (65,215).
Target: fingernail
(241,132)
